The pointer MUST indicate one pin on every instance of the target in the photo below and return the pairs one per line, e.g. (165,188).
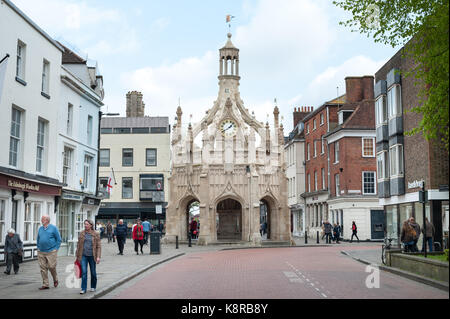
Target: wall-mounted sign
(23,185)
(415,184)
(159,209)
(73,197)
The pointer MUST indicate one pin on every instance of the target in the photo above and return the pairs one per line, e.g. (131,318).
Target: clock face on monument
(228,128)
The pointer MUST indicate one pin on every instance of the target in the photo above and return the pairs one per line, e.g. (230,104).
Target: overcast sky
(292,50)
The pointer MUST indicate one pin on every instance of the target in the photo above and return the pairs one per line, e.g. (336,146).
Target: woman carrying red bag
(138,236)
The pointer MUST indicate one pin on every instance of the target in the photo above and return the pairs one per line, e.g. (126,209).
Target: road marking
(311,284)
(318,289)
(296,280)
(290,274)
(324,295)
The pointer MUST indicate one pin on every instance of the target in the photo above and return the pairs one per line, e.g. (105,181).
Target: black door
(377,222)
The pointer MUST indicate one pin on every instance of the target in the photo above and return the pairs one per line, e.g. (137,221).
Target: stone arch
(268,209)
(183,215)
(228,212)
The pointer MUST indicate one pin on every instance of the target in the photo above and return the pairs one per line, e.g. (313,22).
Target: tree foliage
(422,26)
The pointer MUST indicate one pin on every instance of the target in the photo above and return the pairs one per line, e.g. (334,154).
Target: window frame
(322,119)
(337,185)
(323,177)
(109,157)
(67,164)
(336,152)
(364,182)
(384,174)
(45,86)
(147,157)
(2,220)
(398,110)
(41,137)
(381,115)
(87,170)
(90,128)
(131,192)
(123,157)
(16,125)
(104,190)
(363,139)
(396,152)
(21,60)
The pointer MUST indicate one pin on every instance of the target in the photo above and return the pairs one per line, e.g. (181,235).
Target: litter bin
(155,243)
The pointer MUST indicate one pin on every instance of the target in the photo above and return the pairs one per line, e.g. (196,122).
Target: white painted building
(30,98)
(295,173)
(42,80)
(78,140)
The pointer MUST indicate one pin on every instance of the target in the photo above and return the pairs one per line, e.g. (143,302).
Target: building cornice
(349,132)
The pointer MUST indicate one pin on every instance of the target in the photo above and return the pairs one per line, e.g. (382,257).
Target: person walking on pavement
(354,232)
(407,236)
(336,233)
(138,237)
(13,250)
(328,229)
(146,225)
(48,243)
(120,233)
(428,233)
(109,231)
(88,252)
(417,230)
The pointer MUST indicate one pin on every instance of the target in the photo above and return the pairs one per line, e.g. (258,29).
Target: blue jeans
(429,241)
(92,265)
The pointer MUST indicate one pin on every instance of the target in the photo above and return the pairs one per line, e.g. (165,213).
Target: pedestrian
(109,231)
(429,233)
(120,233)
(340,230)
(417,230)
(138,236)
(88,253)
(13,250)
(336,233)
(354,231)
(328,228)
(48,243)
(407,236)
(323,230)
(146,225)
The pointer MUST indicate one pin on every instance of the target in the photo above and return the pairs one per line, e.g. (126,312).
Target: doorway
(264,210)
(229,220)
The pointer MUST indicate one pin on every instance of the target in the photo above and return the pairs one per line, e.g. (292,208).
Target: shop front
(155,213)
(405,207)
(24,199)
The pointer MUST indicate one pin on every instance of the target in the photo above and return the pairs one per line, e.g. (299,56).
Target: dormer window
(343,116)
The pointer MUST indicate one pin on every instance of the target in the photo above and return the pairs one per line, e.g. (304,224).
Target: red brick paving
(318,273)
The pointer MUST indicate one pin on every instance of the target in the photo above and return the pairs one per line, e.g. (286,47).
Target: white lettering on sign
(415,184)
(23,186)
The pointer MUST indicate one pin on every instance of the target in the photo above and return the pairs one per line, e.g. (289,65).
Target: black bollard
(190,241)
(306,237)
(317,236)
(176,242)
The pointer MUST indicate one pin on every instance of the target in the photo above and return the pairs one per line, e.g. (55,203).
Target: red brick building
(352,163)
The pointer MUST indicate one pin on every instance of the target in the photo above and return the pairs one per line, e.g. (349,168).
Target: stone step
(275,243)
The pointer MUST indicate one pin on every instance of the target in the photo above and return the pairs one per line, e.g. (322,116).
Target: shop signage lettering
(23,186)
(415,184)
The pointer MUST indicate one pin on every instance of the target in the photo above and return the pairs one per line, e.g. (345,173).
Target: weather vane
(229,18)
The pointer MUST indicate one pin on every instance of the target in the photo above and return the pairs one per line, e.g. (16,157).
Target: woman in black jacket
(13,250)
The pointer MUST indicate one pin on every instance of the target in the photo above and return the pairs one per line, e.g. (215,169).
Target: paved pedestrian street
(273,273)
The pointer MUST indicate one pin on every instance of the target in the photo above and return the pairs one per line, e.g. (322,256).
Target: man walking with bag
(48,243)
(13,251)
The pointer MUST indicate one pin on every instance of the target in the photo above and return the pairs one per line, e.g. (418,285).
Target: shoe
(82,292)
(44,288)
(55,283)
(92,290)
(142,252)
(15,273)
(6,272)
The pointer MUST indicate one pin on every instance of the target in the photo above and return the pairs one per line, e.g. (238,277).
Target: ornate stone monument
(237,174)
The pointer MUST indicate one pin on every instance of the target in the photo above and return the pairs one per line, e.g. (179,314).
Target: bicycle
(386,246)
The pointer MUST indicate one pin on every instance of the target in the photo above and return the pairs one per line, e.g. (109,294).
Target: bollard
(317,236)
(190,240)
(306,237)
(176,242)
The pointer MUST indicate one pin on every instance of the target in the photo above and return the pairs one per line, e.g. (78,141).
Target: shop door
(377,224)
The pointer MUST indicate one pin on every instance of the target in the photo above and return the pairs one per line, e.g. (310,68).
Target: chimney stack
(300,113)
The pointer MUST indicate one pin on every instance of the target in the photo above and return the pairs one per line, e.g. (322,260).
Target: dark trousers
(328,238)
(12,259)
(85,261)
(120,243)
(145,237)
(138,243)
(354,234)
(109,237)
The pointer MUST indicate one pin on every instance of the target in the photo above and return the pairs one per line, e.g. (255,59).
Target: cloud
(191,79)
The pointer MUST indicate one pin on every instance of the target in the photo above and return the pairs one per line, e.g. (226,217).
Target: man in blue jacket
(48,243)
(121,235)
(147,226)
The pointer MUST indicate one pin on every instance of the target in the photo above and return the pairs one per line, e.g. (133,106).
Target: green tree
(422,27)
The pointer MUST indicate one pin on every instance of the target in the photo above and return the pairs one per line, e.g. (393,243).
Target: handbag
(77,268)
